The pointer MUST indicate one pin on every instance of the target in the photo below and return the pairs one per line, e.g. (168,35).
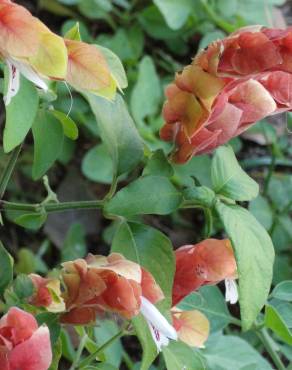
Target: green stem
(113,187)
(233,320)
(50,208)
(269,175)
(225,26)
(127,360)
(5,177)
(92,357)
(208,222)
(267,342)
(79,352)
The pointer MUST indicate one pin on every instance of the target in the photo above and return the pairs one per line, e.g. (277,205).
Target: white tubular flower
(231,293)
(160,328)
(16,68)
(13,82)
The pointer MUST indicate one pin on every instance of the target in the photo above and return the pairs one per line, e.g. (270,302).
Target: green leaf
(97,165)
(275,322)
(146,94)
(67,346)
(150,248)
(209,37)
(103,332)
(254,254)
(74,245)
(284,309)
(68,151)
(127,44)
(31,221)
(69,126)
(20,114)
(231,352)
(101,366)
(70,24)
(147,195)
(116,67)
(73,33)
(178,355)
(118,132)
(57,353)
(26,262)
(52,321)
(200,195)
(95,9)
(280,190)
(155,25)
(262,211)
(283,291)
(6,270)
(228,177)
(23,286)
(158,165)
(146,340)
(257,12)
(48,141)
(198,168)
(211,302)
(175,12)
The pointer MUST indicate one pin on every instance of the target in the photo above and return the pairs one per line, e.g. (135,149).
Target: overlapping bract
(227,88)
(99,284)
(205,263)
(30,48)
(47,293)
(23,345)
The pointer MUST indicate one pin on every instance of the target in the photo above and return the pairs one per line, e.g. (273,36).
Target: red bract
(23,345)
(227,88)
(207,262)
(47,293)
(99,284)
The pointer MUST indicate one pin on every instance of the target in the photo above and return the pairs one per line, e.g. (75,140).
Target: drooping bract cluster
(98,284)
(227,88)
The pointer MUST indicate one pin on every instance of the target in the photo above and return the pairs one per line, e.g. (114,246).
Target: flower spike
(227,88)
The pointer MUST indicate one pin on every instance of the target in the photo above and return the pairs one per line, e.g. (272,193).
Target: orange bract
(18,31)
(87,67)
(207,262)
(100,284)
(192,327)
(47,293)
(228,87)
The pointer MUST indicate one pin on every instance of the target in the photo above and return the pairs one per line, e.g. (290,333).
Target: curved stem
(5,177)
(221,23)
(266,340)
